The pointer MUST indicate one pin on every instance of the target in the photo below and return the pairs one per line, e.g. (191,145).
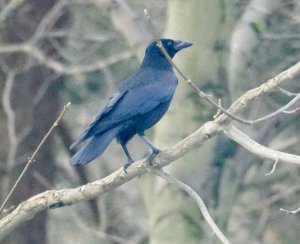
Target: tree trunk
(174,217)
(34,101)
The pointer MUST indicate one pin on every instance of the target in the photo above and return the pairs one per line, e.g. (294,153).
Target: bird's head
(155,57)
(171,46)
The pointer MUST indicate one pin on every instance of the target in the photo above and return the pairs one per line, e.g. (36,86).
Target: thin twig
(32,158)
(276,198)
(288,93)
(273,168)
(279,111)
(50,18)
(267,87)
(10,8)
(10,113)
(291,111)
(197,199)
(219,111)
(59,67)
(290,211)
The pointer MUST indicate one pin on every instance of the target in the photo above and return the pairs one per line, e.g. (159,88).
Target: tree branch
(9,8)
(55,199)
(60,68)
(258,149)
(269,86)
(10,114)
(196,198)
(32,157)
(290,211)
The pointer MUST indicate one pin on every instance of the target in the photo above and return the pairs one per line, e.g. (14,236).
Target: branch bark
(258,149)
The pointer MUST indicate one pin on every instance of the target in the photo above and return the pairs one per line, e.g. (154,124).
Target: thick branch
(55,199)
(258,149)
(272,84)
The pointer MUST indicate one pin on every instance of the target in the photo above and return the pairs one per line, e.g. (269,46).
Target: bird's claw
(150,158)
(125,167)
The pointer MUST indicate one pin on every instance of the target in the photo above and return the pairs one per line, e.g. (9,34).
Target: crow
(138,104)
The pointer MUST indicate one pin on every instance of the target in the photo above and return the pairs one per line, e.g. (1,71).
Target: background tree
(30,102)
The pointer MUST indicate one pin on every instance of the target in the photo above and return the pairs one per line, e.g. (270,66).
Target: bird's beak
(181,45)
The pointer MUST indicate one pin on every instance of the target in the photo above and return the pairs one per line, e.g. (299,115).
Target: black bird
(139,103)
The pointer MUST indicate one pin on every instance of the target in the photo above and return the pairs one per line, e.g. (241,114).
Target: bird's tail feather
(94,148)
(84,136)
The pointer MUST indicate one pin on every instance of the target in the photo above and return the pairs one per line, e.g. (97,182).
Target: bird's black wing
(128,104)
(137,101)
(107,108)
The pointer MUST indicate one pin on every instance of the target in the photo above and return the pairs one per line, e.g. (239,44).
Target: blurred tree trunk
(245,39)
(43,115)
(174,218)
(34,102)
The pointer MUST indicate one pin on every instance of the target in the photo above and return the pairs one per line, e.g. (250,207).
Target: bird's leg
(129,158)
(155,151)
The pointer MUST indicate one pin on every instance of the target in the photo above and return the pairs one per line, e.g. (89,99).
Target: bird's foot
(150,158)
(125,167)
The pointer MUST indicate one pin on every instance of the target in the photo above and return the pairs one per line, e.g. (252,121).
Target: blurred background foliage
(55,51)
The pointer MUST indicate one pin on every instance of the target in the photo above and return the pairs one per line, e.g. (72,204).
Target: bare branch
(267,87)
(196,198)
(49,19)
(9,8)
(54,199)
(281,37)
(59,67)
(32,158)
(288,93)
(276,198)
(10,113)
(219,111)
(290,211)
(291,111)
(279,111)
(273,168)
(258,149)
(121,16)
